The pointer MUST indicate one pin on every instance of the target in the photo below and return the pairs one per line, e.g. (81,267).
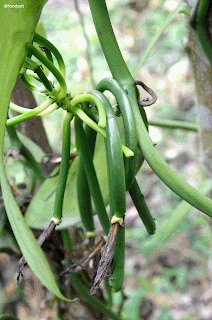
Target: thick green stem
(30,114)
(92,99)
(165,173)
(152,156)
(172,124)
(108,41)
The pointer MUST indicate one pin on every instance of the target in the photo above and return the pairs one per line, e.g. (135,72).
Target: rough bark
(202,73)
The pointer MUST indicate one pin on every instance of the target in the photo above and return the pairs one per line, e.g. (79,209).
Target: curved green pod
(141,206)
(49,46)
(120,72)
(44,79)
(51,67)
(32,65)
(129,124)
(166,173)
(48,54)
(96,194)
(29,83)
(83,191)
(64,167)
(115,161)
(117,276)
(84,98)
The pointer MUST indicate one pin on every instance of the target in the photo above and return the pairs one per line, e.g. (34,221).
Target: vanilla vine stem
(121,73)
(30,114)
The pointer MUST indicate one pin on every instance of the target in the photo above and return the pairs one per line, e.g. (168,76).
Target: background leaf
(18,28)
(40,210)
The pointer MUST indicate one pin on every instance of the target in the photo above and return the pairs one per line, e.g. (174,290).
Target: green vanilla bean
(127,152)
(172,124)
(30,64)
(85,118)
(30,114)
(80,287)
(47,44)
(112,52)
(30,84)
(31,73)
(48,54)
(109,294)
(166,174)
(117,276)
(51,67)
(152,156)
(64,167)
(44,80)
(129,124)
(115,161)
(141,206)
(96,194)
(83,191)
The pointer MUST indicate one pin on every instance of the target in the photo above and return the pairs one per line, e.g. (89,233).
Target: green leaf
(7,317)
(40,210)
(32,252)
(18,26)
(35,150)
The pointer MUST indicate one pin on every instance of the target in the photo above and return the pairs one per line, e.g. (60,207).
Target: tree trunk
(202,72)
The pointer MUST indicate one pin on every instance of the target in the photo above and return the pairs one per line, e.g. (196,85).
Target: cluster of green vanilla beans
(92,113)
